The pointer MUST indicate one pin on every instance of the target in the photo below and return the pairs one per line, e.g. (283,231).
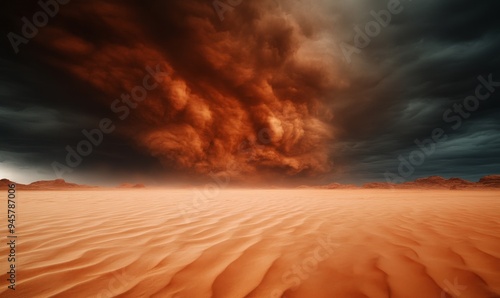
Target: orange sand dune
(257,243)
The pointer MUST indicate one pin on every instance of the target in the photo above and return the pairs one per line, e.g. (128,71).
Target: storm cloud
(266,93)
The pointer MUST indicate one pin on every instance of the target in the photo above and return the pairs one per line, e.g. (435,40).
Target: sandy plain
(257,243)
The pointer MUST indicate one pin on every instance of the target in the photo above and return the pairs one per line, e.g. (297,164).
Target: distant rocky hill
(432,182)
(130,185)
(339,186)
(437,182)
(490,181)
(58,184)
(4,183)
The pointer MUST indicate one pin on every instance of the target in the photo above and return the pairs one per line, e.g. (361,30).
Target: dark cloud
(227,87)
(264,93)
(427,60)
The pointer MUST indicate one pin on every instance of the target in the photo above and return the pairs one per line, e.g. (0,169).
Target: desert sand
(257,243)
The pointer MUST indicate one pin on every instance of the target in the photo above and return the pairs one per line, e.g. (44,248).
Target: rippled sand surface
(257,243)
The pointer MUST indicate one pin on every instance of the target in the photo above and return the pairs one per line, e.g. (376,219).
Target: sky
(259,92)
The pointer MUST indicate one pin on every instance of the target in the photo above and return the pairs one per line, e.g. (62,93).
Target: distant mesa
(379,185)
(490,181)
(130,185)
(58,184)
(6,182)
(432,182)
(437,182)
(339,186)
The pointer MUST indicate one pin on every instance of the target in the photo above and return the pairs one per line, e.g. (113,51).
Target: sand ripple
(258,243)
